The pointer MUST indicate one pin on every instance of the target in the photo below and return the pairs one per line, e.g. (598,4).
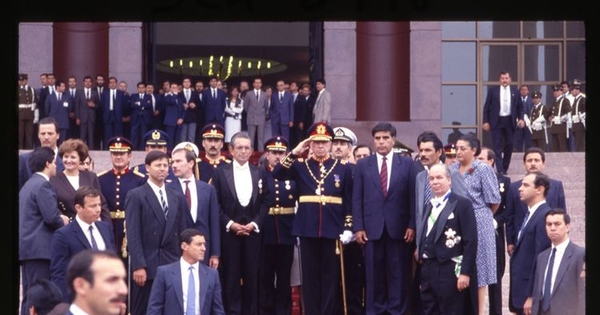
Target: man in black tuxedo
(448,248)
(244,198)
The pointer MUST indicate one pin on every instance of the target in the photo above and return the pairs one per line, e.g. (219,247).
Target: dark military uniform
(155,137)
(26,113)
(114,186)
(539,134)
(208,166)
(558,128)
(324,212)
(578,118)
(278,241)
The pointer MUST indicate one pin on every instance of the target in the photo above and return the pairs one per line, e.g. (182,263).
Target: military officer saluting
(324,214)
(212,142)
(115,183)
(155,140)
(278,241)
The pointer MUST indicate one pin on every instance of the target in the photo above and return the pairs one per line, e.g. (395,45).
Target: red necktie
(188,197)
(383,176)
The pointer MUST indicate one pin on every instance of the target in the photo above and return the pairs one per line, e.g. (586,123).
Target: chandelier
(223,67)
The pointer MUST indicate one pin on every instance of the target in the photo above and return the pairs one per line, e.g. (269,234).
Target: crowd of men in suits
(367,237)
(103,108)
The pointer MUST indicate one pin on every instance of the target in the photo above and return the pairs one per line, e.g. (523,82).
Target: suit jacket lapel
(79,234)
(173,204)
(443,217)
(228,171)
(375,171)
(203,274)
(154,204)
(176,276)
(396,164)
(255,179)
(564,265)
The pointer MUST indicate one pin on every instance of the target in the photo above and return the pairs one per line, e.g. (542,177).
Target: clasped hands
(242,230)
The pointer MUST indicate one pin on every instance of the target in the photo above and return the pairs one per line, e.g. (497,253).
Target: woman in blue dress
(482,187)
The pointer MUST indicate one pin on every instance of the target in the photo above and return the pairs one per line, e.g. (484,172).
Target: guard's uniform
(114,186)
(324,212)
(208,166)
(539,133)
(26,113)
(155,137)
(558,128)
(578,119)
(278,241)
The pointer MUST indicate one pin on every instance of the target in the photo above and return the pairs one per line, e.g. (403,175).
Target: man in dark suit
(99,128)
(531,239)
(75,95)
(58,106)
(560,289)
(244,197)
(141,113)
(173,107)
(201,200)
(113,110)
(448,248)
(534,160)
(38,219)
(495,290)
(84,232)
(99,282)
(85,111)
(191,105)
(154,216)
(502,113)
(173,291)
(48,137)
(523,135)
(281,111)
(213,103)
(156,121)
(299,104)
(383,212)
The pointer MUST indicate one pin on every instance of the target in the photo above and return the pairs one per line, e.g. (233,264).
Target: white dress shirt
(531,212)
(560,252)
(156,190)
(86,231)
(389,158)
(438,204)
(504,101)
(193,195)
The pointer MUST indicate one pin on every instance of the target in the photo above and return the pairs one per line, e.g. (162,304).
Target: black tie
(548,282)
(59,97)
(163,203)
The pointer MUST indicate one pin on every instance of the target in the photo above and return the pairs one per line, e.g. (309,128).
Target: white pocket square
(451,216)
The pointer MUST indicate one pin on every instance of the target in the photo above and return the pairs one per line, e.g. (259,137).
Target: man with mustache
(212,142)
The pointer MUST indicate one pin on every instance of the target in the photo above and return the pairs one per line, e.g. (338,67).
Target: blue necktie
(523,226)
(548,282)
(190,308)
(428,192)
(94,244)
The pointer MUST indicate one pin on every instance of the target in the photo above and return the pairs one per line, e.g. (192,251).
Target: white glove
(495,224)
(569,124)
(347,237)
(36,116)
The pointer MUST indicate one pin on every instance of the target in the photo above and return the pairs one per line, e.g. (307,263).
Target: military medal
(287,185)
(260,186)
(501,187)
(318,190)
(337,180)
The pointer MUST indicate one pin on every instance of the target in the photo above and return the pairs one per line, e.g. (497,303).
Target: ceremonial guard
(578,116)
(278,242)
(324,214)
(155,140)
(559,120)
(539,121)
(212,142)
(26,113)
(115,183)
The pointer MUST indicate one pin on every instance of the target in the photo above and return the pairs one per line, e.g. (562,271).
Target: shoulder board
(138,173)
(301,160)
(198,160)
(227,161)
(344,161)
(102,173)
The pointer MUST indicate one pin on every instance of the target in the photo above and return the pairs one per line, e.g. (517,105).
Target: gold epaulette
(226,160)
(348,222)
(301,160)
(344,161)
(138,173)
(102,173)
